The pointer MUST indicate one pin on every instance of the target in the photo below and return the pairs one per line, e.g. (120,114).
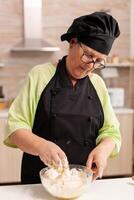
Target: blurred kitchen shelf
(34,45)
(6,74)
(4,113)
(123,110)
(120,64)
(2,65)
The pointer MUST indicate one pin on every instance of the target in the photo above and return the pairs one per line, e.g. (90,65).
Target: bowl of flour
(70,184)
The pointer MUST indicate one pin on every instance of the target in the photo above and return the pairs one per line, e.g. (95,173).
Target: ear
(73,42)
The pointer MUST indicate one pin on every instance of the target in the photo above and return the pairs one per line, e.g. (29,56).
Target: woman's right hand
(51,154)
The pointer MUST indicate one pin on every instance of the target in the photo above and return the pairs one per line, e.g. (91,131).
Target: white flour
(66,185)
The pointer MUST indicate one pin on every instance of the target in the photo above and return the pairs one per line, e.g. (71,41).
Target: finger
(89,163)
(42,158)
(98,172)
(100,168)
(95,176)
(46,161)
(56,160)
(62,155)
(65,163)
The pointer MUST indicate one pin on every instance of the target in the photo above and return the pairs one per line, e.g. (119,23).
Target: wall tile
(57,16)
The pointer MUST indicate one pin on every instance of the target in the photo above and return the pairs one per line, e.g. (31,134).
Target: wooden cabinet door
(122,165)
(10,159)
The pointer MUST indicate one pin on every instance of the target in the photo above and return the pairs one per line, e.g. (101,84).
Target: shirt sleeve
(110,127)
(21,111)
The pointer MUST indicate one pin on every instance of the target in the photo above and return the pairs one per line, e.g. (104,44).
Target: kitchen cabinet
(123,164)
(10,158)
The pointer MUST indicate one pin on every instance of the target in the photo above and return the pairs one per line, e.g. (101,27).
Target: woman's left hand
(97,159)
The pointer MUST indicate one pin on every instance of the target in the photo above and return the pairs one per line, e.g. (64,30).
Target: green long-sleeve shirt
(23,109)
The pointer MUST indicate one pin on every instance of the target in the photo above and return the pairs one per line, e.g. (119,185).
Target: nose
(90,65)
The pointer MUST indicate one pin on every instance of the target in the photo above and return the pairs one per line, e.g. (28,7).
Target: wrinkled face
(82,60)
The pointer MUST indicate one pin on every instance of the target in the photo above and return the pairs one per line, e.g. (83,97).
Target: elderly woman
(65,111)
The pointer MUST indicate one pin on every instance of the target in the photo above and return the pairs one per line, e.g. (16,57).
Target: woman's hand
(97,159)
(96,162)
(51,154)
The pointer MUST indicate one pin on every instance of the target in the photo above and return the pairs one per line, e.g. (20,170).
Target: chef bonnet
(97,30)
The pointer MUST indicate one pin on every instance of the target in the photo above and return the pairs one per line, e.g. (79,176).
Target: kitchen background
(16,61)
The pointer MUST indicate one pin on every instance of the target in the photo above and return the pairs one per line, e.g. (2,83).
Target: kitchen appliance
(33,38)
(116,96)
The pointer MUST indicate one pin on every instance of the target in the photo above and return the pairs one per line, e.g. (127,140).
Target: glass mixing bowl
(69,185)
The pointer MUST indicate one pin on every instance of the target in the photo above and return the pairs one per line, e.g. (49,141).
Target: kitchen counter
(4,113)
(123,110)
(106,189)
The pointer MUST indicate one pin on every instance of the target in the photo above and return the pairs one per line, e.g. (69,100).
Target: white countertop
(106,189)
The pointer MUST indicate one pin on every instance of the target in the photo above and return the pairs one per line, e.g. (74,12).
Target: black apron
(68,116)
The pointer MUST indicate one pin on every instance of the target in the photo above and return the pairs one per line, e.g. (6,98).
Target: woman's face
(79,60)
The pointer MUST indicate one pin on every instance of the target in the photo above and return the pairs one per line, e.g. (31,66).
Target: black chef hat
(97,30)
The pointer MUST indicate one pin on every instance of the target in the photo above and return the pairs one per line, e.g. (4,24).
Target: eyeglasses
(86,58)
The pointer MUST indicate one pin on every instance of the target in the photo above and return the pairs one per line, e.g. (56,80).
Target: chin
(80,76)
